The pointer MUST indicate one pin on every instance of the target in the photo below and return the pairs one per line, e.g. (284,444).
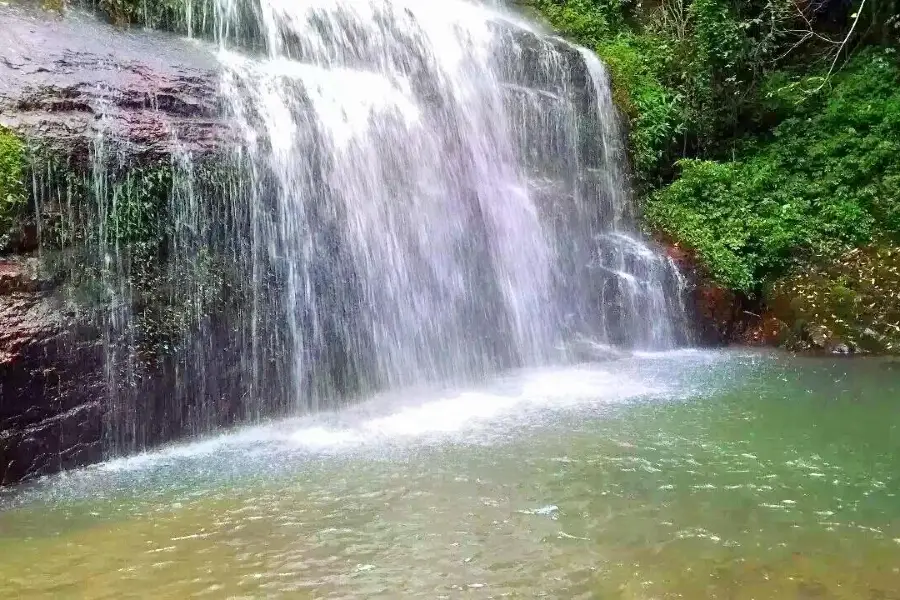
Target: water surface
(675,475)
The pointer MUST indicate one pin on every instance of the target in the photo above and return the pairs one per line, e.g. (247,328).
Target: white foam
(414,416)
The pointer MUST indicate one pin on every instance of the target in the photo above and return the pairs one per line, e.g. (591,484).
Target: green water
(687,475)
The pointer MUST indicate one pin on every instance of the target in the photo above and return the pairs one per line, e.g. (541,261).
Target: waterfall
(419,191)
(440,189)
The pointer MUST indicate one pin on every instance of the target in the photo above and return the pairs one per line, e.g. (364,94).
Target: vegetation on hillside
(825,178)
(852,300)
(765,140)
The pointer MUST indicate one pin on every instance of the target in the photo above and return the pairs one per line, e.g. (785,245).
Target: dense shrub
(688,73)
(657,120)
(827,178)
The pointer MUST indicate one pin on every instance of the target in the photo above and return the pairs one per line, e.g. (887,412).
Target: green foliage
(686,73)
(589,22)
(127,232)
(653,108)
(159,14)
(136,216)
(13,197)
(782,158)
(697,212)
(695,76)
(827,179)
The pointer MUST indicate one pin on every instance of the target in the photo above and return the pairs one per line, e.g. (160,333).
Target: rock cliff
(64,81)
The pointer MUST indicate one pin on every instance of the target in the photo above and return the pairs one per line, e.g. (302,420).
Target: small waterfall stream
(418,192)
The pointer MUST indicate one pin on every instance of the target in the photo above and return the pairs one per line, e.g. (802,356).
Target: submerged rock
(842,349)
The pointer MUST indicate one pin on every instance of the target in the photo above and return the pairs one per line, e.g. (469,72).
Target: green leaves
(827,180)
(13,197)
(781,165)
(588,22)
(654,109)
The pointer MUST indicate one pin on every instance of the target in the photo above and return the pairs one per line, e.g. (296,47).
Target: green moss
(158,14)
(635,64)
(13,196)
(125,233)
(57,6)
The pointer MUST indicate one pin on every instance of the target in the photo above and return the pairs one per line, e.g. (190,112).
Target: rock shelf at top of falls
(155,92)
(60,75)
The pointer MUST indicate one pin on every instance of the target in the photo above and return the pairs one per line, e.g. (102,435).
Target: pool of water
(680,475)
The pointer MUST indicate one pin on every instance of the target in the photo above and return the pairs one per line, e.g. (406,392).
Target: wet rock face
(722,316)
(849,305)
(718,314)
(156,93)
(51,386)
(63,82)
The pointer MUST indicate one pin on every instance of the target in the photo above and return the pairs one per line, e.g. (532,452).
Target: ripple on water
(626,493)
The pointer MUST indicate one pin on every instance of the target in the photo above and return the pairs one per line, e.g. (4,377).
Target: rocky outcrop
(718,314)
(62,80)
(844,306)
(51,385)
(721,316)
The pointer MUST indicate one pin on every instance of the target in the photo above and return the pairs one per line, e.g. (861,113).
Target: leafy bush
(687,73)
(825,180)
(588,22)
(654,110)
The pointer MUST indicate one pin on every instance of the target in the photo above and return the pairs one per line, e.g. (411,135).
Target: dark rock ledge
(51,382)
(63,81)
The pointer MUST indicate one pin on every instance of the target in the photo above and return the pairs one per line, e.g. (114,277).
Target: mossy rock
(132,231)
(854,300)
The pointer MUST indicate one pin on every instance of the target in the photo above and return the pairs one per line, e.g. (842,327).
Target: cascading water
(420,192)
(439,190)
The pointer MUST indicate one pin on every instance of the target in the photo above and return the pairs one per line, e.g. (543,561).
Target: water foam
(419,416)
